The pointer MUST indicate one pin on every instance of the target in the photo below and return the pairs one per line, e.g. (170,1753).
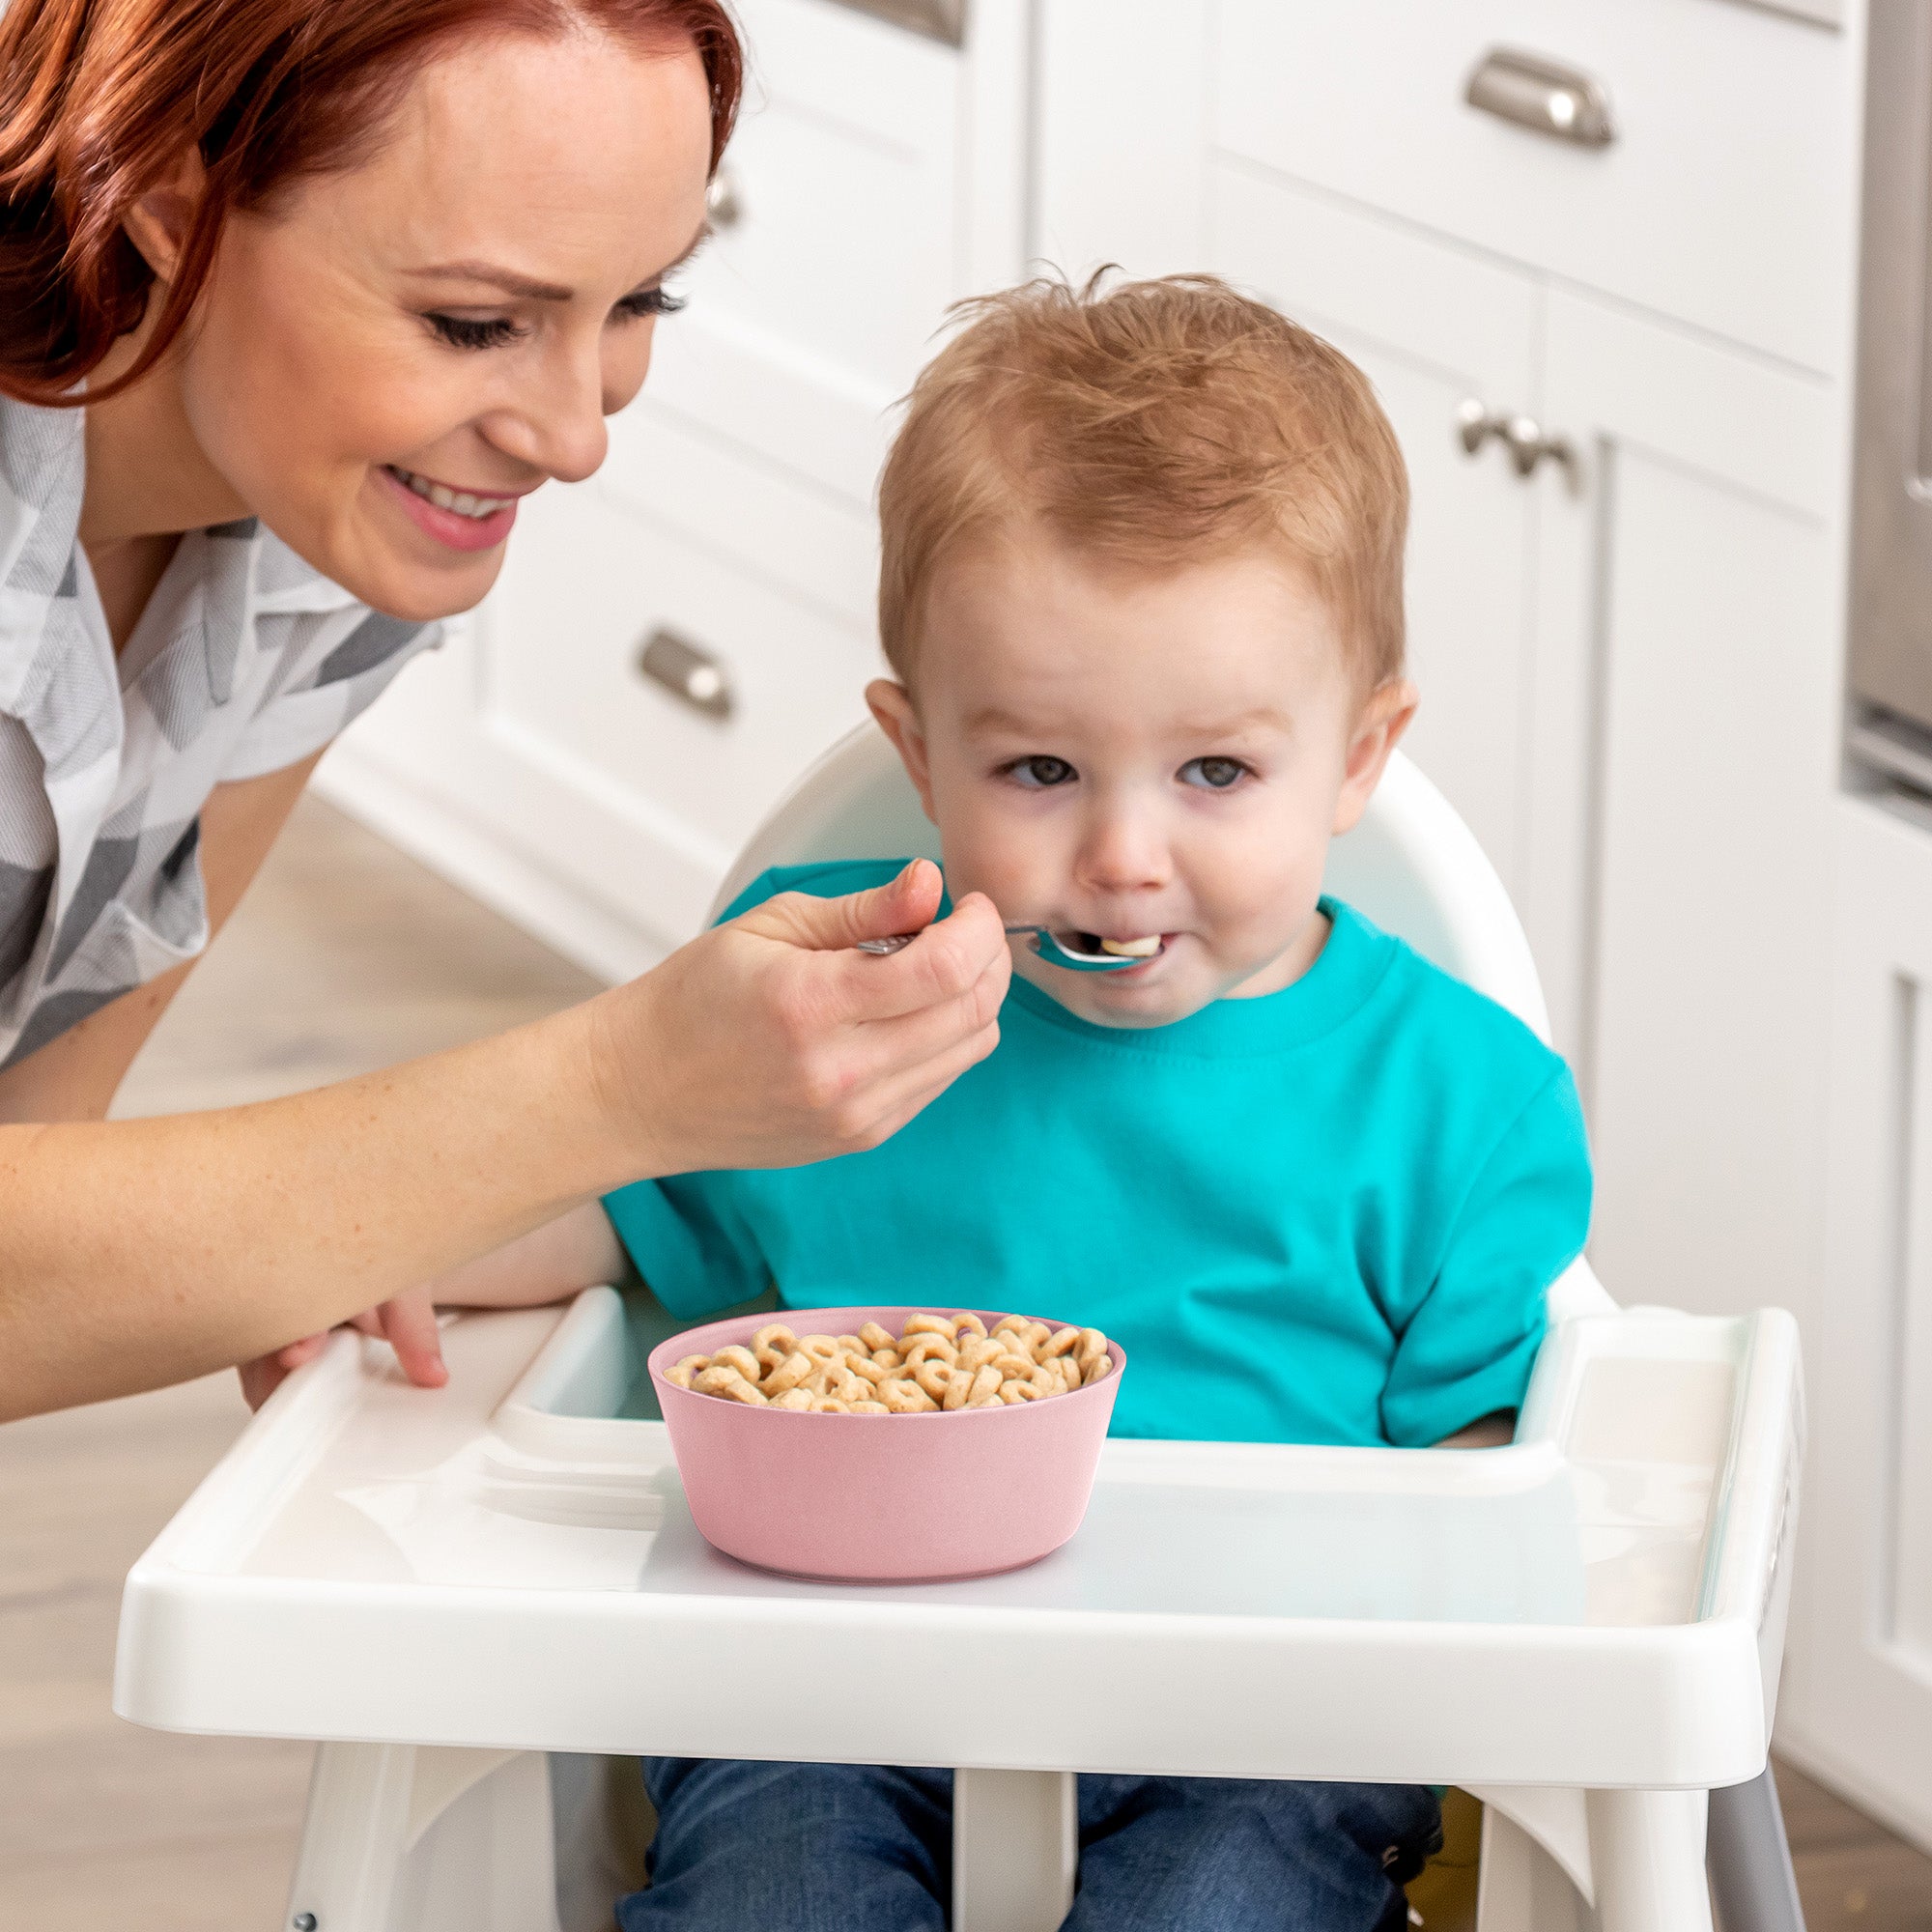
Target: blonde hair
(1151,425)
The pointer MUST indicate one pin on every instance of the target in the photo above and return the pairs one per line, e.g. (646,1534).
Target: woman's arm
(143,1252)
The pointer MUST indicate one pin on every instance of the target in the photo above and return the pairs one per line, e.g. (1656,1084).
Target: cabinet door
(1699,572)
(1433,328)
(1858,1691)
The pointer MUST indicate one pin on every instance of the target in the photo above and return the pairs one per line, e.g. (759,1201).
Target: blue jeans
(866,1848)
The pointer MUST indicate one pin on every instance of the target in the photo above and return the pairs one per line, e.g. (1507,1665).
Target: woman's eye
(463,331)
(1214,773)
(648,301)
(1037,773)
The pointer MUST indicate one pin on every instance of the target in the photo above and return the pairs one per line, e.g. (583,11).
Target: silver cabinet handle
(937,19)
(1527,441)
(723,202)
(1541,94)
(692,676)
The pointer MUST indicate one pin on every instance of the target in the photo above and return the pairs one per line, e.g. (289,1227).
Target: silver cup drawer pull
(935,20)
(1543,96)
(691,674)
(723,200)
(1526,441)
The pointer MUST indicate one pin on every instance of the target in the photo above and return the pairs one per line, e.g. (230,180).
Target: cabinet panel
(1430,327)
(1722,195)
(1706,1075)
(816,546)
(814,302)
(1858,1704)
(585,589)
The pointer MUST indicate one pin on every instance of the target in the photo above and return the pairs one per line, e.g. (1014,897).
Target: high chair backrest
(1412,865)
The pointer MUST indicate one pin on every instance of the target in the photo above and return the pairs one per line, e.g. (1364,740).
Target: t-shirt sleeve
(332,671)
(1467,1350)
(692,1243)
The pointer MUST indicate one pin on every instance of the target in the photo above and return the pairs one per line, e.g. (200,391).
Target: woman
(298,298)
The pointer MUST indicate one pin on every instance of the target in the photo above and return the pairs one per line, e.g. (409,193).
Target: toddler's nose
(1124,850)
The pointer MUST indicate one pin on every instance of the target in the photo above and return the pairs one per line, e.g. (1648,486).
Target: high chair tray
(509,1562)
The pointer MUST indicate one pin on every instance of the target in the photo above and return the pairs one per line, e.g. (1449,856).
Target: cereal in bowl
(936,1362)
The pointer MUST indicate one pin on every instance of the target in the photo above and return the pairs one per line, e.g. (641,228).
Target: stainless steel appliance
(1890,673)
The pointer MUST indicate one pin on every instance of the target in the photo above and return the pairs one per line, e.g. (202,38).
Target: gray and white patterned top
(245,660)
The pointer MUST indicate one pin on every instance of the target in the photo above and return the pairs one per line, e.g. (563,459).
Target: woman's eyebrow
(528,287)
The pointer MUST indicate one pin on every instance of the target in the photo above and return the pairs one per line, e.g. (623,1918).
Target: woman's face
(388,357)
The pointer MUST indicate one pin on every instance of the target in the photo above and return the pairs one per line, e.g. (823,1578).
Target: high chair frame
(444,1588)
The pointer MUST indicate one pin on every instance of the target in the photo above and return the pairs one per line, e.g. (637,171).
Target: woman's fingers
(260,1379)
(901,1100)
(771,1041)
(907,903)
(850,986)
(262,1376)
(409,1321)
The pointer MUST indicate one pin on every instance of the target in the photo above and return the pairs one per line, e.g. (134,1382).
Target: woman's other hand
(771,1041)
(408,1323)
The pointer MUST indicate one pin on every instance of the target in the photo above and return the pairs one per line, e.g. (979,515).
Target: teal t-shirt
(1361,1185)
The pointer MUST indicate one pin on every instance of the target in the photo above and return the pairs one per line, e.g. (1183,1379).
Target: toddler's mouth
(1145,947)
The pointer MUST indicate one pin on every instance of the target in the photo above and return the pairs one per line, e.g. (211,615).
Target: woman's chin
(415,588)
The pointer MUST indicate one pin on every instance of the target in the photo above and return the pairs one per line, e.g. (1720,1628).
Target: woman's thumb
(907,903)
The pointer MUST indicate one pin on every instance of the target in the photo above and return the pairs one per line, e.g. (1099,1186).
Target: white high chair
(445,1588)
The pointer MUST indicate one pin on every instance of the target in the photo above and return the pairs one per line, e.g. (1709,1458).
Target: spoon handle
(1044,944)
(899,940)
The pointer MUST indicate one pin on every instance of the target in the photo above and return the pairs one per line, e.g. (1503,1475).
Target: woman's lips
(450,527)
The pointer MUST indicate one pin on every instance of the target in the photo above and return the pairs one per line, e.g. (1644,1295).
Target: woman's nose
(556,425)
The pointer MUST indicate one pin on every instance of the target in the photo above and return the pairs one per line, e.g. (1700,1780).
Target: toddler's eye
(1215,774)
(1037,774)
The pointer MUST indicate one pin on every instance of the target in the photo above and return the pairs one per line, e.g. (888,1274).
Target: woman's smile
(462,519)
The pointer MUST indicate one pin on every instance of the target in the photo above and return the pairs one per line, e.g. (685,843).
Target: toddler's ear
(1384,718)
(891,704)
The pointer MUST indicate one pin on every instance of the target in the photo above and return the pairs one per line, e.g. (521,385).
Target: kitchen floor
(345,957)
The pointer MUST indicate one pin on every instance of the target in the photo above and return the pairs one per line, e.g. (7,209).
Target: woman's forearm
(143,1252)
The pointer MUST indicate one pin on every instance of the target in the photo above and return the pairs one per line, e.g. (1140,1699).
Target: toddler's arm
(577,1250)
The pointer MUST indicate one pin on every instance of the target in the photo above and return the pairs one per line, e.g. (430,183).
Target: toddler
(1141,594)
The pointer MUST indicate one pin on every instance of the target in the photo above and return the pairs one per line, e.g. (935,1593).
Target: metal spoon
(1044,944)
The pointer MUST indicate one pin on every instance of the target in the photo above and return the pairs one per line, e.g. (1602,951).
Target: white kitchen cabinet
(1432,326)
(1858,1696)
(1703,584)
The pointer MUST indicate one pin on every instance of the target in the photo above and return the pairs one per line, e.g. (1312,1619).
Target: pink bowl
(880,1498)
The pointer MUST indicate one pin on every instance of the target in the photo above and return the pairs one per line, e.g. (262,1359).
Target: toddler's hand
(408,1323)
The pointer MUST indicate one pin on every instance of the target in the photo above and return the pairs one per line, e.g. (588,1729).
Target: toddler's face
(1147,759)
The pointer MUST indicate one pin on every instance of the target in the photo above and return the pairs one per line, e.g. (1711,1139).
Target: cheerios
(937,1364)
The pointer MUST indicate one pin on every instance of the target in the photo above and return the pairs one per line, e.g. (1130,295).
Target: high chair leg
(1015,1850)
(1647,1857)
(420,1838)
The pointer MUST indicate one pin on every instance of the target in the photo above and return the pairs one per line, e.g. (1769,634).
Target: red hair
(99,99)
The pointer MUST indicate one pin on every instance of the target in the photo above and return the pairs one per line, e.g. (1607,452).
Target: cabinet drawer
(585,585)
(831,258)
(1715,202)
(811,545)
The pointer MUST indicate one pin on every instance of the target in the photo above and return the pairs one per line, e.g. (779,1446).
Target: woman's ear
(892,705)
(1379,729)
(158,223)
